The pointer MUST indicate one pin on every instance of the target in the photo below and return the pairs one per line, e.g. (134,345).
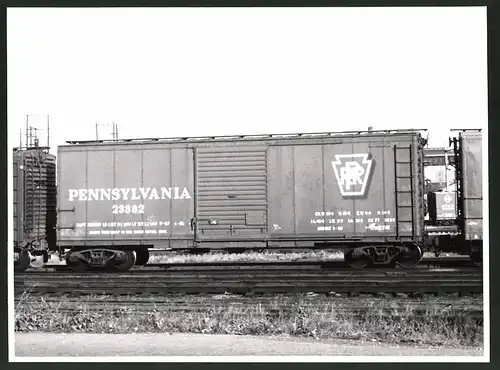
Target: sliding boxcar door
(231,192)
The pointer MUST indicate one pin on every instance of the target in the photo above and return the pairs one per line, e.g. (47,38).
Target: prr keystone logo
(353,173)
(447,198)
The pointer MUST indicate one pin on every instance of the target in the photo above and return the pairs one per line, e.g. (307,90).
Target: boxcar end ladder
(398,192)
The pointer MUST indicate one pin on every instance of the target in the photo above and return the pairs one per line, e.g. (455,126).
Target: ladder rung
(399,162)
(403,191)
(404,177)
(404,206)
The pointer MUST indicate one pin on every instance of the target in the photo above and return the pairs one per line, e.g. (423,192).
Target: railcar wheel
(127,262)
(23,260)
(141,257)
(75,263)
(410,258)
(356,259)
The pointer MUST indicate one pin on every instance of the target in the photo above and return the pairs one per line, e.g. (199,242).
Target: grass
(266,256)
(244,257)
(450,327)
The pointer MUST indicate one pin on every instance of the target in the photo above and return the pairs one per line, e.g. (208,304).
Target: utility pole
(446,168)
(27,119)
(48,131)
(115,130)
(32,132)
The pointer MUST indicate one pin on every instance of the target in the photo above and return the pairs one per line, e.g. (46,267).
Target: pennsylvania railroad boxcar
(362,192)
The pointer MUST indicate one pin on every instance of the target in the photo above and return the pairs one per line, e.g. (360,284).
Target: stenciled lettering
(82,194)
(125,193)
(175,193)
(72,194)
(116,194)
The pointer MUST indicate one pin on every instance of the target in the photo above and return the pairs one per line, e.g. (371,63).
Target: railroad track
(432,262)
(268,304)
(140,308)
(256,280)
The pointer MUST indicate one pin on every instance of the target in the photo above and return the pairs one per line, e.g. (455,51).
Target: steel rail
(138,309)
(274,305)
(256,281)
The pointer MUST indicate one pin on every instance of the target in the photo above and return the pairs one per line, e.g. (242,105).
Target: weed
(436,326)
(266,256)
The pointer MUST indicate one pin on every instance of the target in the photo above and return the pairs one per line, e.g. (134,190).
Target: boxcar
(362,192)
(471,185)
(456,222)
(469,158)
(34,191)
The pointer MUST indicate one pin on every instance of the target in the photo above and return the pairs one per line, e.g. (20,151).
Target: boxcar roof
(263,137)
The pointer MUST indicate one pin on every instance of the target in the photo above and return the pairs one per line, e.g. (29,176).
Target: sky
(169,72)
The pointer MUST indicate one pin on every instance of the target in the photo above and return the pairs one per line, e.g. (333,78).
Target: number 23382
(127,208)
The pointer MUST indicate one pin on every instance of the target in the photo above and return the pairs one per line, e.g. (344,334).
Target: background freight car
(442,206)
(470,192)
(34,185)
(359,191)
(471,184)
(464,234)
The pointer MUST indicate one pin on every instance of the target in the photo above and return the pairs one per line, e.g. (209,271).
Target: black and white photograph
(248,184)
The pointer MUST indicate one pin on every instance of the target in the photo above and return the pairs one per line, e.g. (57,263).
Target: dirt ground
(53,345)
